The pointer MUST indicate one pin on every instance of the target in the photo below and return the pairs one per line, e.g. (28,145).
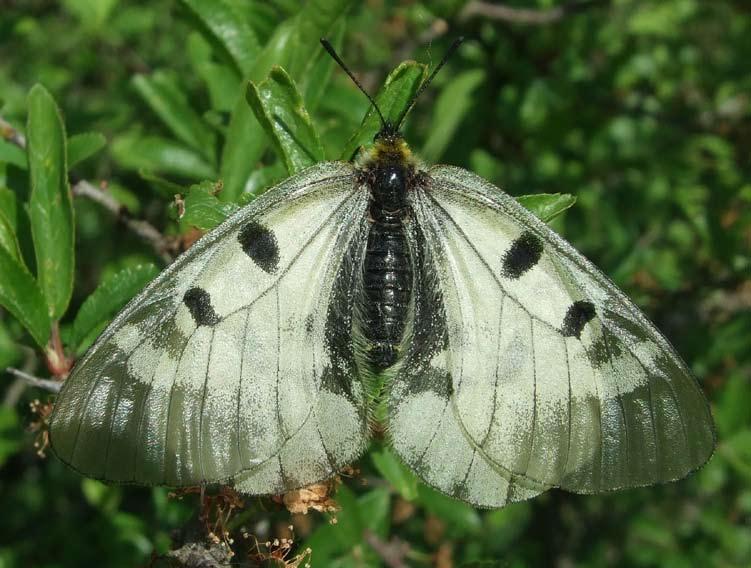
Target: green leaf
(731,413)
(291,47)
(392,99)
(224,26)
(50,203)
(108,298)
(375,507)
(11,433)
(21,296)
(279,108)
(8,238)
(9,206)
(106,498)
(164,186)
(294,44)
(243,148)
(12,154)
(736,450)
(342,540)
(454,102)
(222,80)
(10,351)
(261,179)
(203,209)
(155,154)
(91,13)
(162,93)
(547,206)
(403,480)
(83,146)
(462,517)
(322,68)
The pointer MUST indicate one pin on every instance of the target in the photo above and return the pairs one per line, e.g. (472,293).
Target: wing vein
(619,396)
(497,368)
(169,405)
(111,426)
(203,406)
(484,262)
(295,258)
(142,410)
(570,394)
(241,461)
(277,406)
(534,398)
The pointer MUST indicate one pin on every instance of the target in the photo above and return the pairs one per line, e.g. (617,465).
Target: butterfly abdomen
(387,268)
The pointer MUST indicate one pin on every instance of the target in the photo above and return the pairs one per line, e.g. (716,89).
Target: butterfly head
(389,146)
(388,141)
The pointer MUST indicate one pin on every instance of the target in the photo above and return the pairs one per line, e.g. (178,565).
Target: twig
(523,15)
(9,133)
(18,386)
(46,384)
(195,555)
(392,553)
(142,228)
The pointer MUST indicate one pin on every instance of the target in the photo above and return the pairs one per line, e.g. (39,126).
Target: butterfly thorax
(388,172)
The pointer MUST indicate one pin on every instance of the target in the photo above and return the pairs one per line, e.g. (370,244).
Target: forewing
(223,363)
(553,377)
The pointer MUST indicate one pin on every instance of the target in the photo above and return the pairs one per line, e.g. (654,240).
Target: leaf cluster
(181,111)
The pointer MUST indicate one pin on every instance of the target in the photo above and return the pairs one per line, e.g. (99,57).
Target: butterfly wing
(540,373)
(229,364)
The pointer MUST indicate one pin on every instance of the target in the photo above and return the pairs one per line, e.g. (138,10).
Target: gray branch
(9,133)
(142,228)
(391,553)
(526,16)
(84,188)
(45,384)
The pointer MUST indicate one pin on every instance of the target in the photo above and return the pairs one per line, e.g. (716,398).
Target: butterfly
(506,362)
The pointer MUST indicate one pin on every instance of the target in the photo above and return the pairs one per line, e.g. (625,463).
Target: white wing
(540,373)
(231,365)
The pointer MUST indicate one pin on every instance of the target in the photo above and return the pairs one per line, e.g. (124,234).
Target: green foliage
(279,109)
(398,89)
(104,302)
(625,124)
(50,200)
(83,146)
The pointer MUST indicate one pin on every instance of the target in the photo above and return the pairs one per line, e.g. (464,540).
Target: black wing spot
(260,244)
(168,336)
(309,321)
(523,254)
(605,349)
(198,302)
(578,315)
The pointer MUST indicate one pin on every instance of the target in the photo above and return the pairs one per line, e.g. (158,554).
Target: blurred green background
(641,109)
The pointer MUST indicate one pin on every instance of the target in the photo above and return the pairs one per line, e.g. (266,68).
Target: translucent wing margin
(222,367)
(546,374)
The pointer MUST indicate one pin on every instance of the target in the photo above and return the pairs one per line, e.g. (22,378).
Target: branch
(9,133)
(524,16)
(195,555)
(392,553)
(45,384)
(142,228)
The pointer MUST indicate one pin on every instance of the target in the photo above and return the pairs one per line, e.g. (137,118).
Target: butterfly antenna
(454,46)
(330,48)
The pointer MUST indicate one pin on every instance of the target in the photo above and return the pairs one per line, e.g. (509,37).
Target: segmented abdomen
(387,284)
